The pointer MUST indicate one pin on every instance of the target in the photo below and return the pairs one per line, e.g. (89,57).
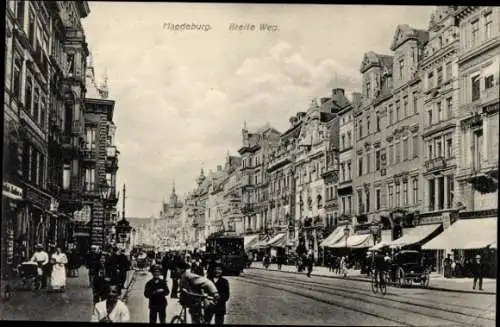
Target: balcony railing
(89,155)
(435,163)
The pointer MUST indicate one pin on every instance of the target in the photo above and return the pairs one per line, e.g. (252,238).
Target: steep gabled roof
(404,33)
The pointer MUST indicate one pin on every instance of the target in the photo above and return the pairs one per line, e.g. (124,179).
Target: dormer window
(401,68)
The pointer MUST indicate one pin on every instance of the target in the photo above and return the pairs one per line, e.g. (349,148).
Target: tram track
(366,297)
(367,291)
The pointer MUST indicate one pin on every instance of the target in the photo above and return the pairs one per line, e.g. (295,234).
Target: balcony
(41,60)
(437,163)
(89,155)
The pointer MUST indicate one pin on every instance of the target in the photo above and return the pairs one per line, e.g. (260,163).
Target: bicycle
(376,285)
(181,318)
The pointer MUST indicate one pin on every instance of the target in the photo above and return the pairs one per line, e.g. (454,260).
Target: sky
(182,97)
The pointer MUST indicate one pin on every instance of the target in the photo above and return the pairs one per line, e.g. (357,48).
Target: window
(415,146)
(16,78)
(360,128)
(343,142)
(397,111)
(28,95)
(32,173)
(439,148)
(36,105)
(430,80)
(377,199)
(377,160)
(20,12)
(66,176)
(70,60)
(415,102)
(475,88)
(90,138)
(449,147)
(488,82)
(368,89)
(449,107)
(398,195)
(429,117)
(390,115)
(360,166)
(441,194)
(401,68)
(406,149)
(43,113)
(367,194)
(38,169)
(342,172)
(477,148)
(391,199)
(439,112)
(368,162)
(367,125)
(360,201)
(449,73)
(405,106)
(348,139)
(391,154)
(397,147)
(451,193)
(349,177)
(475,32)
(439,75)
(405,193)
(378,121)
(415,190)
(431,195)
(31,28)
(90,179)
(430,153)
(488,26)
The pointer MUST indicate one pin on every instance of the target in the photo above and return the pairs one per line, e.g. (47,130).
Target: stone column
(436,193)
(446,204)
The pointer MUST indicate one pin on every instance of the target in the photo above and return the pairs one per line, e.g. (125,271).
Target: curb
(367,281)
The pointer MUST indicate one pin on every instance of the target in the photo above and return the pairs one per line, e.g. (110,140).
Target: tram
(229,249)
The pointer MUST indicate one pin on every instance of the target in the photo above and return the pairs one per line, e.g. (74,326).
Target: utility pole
(123,202)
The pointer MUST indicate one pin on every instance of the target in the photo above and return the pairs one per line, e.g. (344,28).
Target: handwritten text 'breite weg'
(253,27)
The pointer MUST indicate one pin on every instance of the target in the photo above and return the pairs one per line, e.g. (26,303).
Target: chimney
(356,99)
(337,94)
(219,167)
(323,100)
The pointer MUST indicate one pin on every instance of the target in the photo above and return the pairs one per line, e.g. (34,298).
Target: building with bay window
(99,161)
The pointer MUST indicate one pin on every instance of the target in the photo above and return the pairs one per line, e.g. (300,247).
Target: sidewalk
(75,304)
(437,282)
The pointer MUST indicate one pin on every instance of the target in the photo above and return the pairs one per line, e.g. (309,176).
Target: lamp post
(346,235)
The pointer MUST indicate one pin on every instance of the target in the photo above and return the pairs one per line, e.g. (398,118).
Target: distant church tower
(173,197)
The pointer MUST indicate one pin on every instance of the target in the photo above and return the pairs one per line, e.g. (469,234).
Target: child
(156,291)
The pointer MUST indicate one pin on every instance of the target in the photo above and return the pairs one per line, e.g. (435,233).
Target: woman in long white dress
(58,277)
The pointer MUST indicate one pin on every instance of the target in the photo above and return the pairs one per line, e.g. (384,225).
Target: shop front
(38,205)
(12,246)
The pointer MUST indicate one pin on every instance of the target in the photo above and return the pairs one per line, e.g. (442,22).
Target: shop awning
(466,234)
(258,244)
(334,237)
(250,239)
(278,240)
(415,234)
(378,246)
(355,242)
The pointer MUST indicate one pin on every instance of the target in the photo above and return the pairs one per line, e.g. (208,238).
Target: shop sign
(12,191)
(10,246)
(83,215)
(36,197)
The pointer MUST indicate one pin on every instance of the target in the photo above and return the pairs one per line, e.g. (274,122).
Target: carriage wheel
(374,284)
(401,278)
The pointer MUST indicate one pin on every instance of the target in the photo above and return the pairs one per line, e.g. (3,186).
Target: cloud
(182,98)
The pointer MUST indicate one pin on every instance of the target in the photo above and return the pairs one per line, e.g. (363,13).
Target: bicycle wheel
(177,320)
(383,288)
(374,285)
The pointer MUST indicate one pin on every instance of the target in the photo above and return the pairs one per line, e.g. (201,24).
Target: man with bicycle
(196,291)
(381,266)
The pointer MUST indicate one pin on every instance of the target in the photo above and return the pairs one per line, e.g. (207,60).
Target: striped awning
(415,235)
(278,240)
(356,242)
(334,237)
(250,239)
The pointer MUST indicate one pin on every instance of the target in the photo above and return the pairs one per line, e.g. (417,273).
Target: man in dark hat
(222,284)
(156,291)
(193,287)
(477,272)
